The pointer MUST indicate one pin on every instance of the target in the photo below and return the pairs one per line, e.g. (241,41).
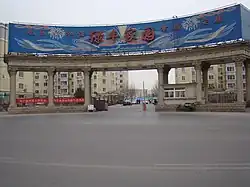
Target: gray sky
(91,12)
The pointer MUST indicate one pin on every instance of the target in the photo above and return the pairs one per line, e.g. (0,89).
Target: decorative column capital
(12,70)
(205,66)
(167,68)
(86,69)
(238,60)
(160,67)
(197,65)
(51,71)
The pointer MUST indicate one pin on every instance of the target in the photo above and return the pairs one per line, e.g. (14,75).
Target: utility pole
(143,91)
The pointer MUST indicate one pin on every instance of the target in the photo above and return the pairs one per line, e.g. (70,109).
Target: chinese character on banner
(203,20)
(80,34)
(30,31)
(130,34)
(164,28)
(177,27)
(96,37)
(148,35)
(69,34)
(42,32)
(113,35)
(218,19)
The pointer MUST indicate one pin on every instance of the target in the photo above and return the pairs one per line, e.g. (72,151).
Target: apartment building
(66,83)
(231,76)
(34,84)
(216,76)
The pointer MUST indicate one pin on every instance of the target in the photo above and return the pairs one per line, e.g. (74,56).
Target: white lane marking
(74,165)
(6,158)
(201,164)
(42,114)
(159,167)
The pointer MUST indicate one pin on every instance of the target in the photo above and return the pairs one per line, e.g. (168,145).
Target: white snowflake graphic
(56,33)
(190,23)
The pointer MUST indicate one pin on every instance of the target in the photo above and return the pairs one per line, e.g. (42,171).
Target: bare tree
(155,89)
(131,91)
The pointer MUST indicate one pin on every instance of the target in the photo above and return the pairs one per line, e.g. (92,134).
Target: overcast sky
(89,12)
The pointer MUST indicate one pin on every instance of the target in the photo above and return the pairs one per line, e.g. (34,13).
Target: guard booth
(100,104)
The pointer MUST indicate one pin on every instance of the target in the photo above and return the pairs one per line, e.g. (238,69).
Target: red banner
(45,100)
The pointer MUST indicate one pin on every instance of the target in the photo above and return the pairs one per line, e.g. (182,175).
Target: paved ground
(125,147)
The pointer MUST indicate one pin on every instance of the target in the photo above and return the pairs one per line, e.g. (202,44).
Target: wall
(245,19)
(4,76)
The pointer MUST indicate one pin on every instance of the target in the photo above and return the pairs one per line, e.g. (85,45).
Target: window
(95,77)
(210,77)
(211,86)
(72,75)
(72,91)
(230,68)
(104,73)
(78,74)
(193,81)
(45,91)
(183,69)
(103,81)
(59,87)
(64,83)
(183,78)
(220,78)
(244,76)
(37,91)
(72,83)
(63,75)
(20,85)
(64,91)
(121,81)
(231,77)
(220,85)
(36,84)
(79,82)
(45,84)
(121,86)
(121,75)
(179,92)
(37,77)
(20,73)
(169,92)
(45,76)
(231,85)
(104,89)
(95,85)
(244,85)
(219,69)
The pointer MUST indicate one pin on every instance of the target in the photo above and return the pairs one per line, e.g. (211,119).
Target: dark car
(186,107)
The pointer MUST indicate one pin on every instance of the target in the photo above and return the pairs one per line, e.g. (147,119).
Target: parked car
(127,103)
(134,102)
(186,107)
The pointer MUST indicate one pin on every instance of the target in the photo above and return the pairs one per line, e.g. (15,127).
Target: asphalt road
(125,147)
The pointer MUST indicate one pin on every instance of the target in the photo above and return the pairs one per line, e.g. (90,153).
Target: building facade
(216,76)
(35,84)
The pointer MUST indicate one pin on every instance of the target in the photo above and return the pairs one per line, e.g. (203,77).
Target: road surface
(125,147)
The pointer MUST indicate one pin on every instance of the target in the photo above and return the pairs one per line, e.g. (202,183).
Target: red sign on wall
(45,100)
